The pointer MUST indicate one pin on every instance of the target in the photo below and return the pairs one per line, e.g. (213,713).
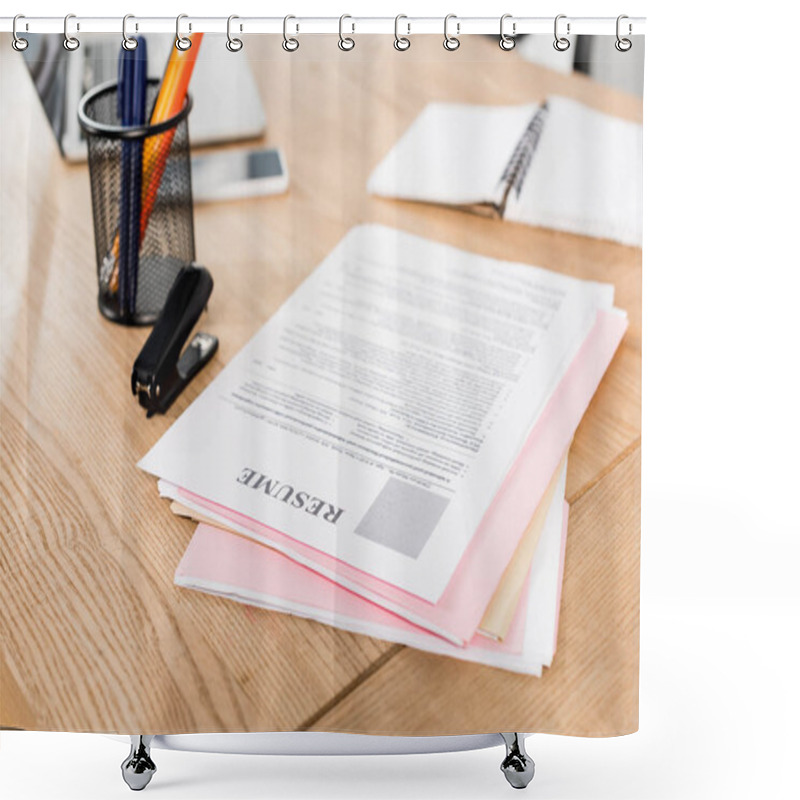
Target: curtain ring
(561,43)
(401,42)
(71,43)
(346,43)
(289,44)
(17,42)
(183,43)
(233,44)
(623,44)
(451,43)
(128,42)
(507,42)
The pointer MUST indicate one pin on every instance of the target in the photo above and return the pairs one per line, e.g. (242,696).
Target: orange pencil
(156,148)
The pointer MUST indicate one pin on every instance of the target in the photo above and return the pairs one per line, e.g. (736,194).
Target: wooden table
(95,636)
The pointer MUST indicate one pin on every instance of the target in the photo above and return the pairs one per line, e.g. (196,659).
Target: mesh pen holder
(133,281)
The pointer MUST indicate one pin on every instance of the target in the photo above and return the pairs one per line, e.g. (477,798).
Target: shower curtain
(392,487)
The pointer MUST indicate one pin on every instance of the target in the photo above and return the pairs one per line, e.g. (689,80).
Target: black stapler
(161,372)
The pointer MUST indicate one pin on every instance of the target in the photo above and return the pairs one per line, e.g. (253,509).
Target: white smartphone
(238,173)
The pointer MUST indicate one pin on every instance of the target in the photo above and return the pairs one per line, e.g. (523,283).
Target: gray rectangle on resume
(402,517)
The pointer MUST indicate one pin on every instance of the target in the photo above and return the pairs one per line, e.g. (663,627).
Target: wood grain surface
(95,636)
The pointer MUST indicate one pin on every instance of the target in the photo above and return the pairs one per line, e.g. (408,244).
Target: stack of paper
(388,453)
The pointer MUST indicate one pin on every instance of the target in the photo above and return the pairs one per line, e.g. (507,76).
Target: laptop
(227,105)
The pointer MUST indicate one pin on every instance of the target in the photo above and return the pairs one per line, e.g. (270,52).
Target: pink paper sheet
(237,566)
(227,560)
(462,605)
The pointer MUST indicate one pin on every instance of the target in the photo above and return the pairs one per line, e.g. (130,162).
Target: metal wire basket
(137,266)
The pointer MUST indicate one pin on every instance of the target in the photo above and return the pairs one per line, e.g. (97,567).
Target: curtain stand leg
(517,766)
(138,768)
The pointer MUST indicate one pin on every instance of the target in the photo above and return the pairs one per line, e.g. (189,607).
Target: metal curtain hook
(290,44)
(561,43)
(507,42)
(623,44)
(401,42)
(182,42)
(233,44)
(345,42)
(17,42)
(451,42)
(70,42)
(128,42)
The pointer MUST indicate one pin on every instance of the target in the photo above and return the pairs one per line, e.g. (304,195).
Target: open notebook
(558,165)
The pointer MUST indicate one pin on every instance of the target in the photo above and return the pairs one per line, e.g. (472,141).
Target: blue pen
(138,111)
(123,110)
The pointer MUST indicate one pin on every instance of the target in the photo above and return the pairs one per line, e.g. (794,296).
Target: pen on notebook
(170,100)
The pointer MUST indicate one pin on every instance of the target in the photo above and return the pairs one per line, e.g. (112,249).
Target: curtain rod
(460,26)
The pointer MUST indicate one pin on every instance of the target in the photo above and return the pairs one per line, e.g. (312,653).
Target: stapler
(161,371)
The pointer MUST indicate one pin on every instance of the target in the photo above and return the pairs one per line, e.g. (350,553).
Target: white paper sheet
(379,411)
(453,153)
(585,176)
